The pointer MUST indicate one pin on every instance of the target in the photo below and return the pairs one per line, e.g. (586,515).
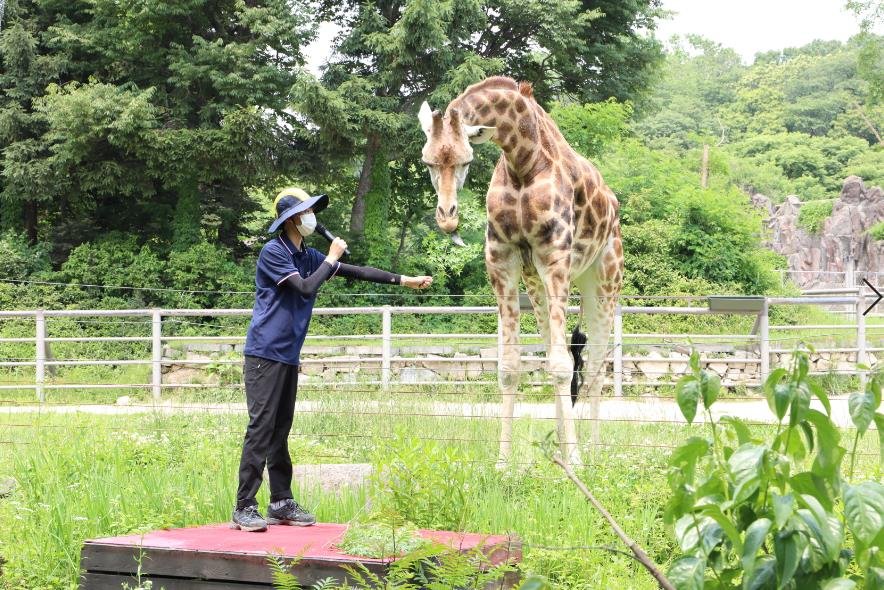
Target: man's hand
(417,282)
(336,249)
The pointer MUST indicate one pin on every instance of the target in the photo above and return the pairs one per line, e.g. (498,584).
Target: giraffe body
(552,222)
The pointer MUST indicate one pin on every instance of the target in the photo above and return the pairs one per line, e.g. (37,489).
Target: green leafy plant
(423,482)
(381,539)
(754,513)
(877,231)
(432,566)
(813,214)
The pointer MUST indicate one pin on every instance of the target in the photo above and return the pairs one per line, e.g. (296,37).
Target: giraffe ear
(425,116)
(479,133)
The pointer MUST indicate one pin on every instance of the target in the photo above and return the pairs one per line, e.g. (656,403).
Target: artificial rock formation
(843,253)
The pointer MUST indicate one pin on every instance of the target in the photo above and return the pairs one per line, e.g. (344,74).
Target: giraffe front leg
(556,273)
(600,288)
(503,266)
(537,295)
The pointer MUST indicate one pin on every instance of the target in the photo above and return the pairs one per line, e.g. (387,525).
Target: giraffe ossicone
(552,222)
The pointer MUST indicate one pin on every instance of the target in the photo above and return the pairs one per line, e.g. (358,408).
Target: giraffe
(552,221)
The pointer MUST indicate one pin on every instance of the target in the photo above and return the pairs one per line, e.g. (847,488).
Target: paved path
(652,410)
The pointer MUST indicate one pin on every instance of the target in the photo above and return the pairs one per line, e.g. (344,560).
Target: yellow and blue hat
(291,201)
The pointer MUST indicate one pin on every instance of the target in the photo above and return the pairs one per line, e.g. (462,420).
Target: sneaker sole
(248,529)
(289,522)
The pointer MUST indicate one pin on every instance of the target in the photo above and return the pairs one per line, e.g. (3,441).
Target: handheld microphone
(323,231)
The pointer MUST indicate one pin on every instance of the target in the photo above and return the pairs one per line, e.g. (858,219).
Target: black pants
(271,388)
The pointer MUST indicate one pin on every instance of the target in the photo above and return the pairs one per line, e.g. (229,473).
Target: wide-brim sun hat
(291,201)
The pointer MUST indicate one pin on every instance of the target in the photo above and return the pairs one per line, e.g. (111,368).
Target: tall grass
(82,476)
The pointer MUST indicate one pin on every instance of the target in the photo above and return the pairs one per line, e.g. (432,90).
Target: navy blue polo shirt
(281,314)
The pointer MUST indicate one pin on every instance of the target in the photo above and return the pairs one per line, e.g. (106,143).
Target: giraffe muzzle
(447,220)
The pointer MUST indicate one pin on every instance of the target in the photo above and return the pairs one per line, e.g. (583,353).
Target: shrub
(423,482)
(115,260)
(18,259)
(774,513)
(205,275)
(590,128)
(813,215)
(877,231)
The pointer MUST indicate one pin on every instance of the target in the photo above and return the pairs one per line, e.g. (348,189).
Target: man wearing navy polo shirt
(288,277)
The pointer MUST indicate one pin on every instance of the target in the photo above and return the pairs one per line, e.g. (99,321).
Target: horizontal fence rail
(755,360)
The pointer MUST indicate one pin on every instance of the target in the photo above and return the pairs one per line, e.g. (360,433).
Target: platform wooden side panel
(207,565)
(98,581)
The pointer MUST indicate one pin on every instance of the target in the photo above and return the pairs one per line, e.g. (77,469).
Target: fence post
(40,367)
(764,345)
(156,347)
(861,357)
(386,346)
(618,351)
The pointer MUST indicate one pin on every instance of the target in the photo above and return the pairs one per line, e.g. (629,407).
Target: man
(288,277)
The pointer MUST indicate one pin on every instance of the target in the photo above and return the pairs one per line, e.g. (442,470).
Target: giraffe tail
(578,341)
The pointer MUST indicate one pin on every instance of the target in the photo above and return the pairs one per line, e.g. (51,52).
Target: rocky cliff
(843,252)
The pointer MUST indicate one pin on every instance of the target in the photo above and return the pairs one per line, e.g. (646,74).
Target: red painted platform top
(314,542)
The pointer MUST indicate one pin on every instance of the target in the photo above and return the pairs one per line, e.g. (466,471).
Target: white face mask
(307,225)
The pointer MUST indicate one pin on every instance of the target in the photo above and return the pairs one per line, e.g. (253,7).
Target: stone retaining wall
(412,364)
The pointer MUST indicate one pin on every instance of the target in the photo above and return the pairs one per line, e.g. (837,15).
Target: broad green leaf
(745,467)
(803,366)
(827,529)
(685,456)
(694,531)
(687,573)
(827,465)
(739,427)
(710,386)
(864,510)
(820,394)
(800,405)
(687,532)
(879,425)
(827,436)
(714,512)
(783,509)
(862,410)
(763,576)
(687,394)
(787,548)
(695,360)
(873,386)
(838,584)
(809,483)
(769,385)
(755,536)
(795,449)
(808,434)
(782,397)
(711,536)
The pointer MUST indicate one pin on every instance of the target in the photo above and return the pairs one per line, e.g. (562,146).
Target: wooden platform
(215,557)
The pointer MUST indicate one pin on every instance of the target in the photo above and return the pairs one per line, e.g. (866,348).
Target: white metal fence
(867,339)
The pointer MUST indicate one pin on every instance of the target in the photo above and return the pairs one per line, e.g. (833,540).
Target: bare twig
(639,553)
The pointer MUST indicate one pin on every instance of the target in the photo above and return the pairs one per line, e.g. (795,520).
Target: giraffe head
(447,154)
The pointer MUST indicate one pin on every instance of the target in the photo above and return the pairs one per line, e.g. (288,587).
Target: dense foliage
(796,121)
(145,176)
(749,512)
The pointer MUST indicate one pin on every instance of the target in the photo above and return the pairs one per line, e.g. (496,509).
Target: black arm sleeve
(367,273)
(309,286)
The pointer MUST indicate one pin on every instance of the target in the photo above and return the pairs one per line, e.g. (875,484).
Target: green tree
(116,111)
(390,56)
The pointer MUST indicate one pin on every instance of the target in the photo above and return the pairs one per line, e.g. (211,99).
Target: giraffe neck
(523,133)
